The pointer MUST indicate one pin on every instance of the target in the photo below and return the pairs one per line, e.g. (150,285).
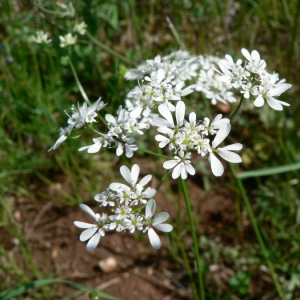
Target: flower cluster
(251,79)
(41,38)
(81,116)
(119,135)
(157,100)
(209,84)
(184,136)
(161,84)
(127,203)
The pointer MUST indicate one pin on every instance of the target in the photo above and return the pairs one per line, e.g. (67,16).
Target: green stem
(187,265)
(175,33)
(153,153)
(85,97)
(109,50)
(194,236)
(162,180)
(237,109)
(257,232)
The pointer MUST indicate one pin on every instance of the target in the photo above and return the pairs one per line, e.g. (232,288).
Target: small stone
(108,265)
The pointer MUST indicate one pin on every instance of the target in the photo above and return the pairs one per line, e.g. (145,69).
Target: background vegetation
(37,85)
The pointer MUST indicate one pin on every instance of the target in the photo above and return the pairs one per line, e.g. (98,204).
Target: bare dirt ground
(141,272)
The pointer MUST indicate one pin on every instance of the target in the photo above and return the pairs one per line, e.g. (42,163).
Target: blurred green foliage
(37,86)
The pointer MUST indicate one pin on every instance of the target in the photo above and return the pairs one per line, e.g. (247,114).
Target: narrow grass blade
(269,171)
(25,288)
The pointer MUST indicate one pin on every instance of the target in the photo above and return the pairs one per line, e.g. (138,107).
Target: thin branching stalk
(195,240)
(85,97)
(109,50)
(237,108)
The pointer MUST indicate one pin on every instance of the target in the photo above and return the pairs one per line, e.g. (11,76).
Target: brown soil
(141,272)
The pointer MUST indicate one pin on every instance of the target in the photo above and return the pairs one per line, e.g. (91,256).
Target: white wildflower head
(41,38)
(186,136)
(80,28)
(94,231)
(156,222)
(67,40)
(127,202)
(252,80)
(86,114)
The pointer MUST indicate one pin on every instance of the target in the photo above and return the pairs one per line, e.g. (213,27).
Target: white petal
(192,117)
(216,166)
(165,112)
(221,135)
(149,192)
(160,218)
(179,85)
(169,164)
(93,242)
(275,104)
(180,112)
(187,90)
(154,239)
(88,233)
(87,210)
(259,101)
(136,112)
(177,171)
(110,119)
(246,53)
(125,172)
(164,227)
(150,208)
(83,224)
(83,148)
(135,171)
(94,148)
(115,186)
(160,75)
(283,103)
(229,156)
(255,55)
(277,91)
(119,150)
(145,180)
(190,169)
(236,147)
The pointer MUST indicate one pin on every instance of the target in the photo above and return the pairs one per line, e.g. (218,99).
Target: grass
(37,86)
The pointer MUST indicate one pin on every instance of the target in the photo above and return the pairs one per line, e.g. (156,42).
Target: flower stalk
(257,232)
(194,237)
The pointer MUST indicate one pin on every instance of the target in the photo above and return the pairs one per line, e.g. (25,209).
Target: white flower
(156,222)
(67,40)
(64,132)
(168,118)
(80,28)
(216,124)
(182,165)
(92,232)
(98,142)
(225,152)
(255,64)
(132,176)
(268,95)
(41,38)
(126,143)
